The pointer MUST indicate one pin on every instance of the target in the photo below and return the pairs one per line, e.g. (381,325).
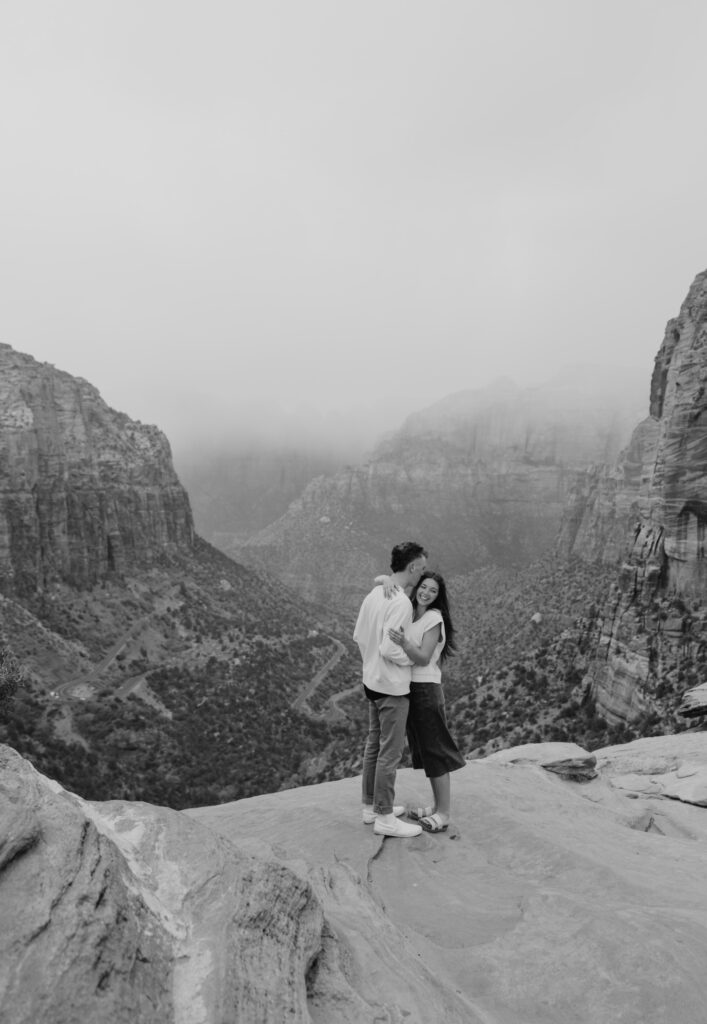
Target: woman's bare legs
(442,790)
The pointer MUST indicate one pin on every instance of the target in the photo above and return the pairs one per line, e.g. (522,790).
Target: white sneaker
(368,817)
(400,829)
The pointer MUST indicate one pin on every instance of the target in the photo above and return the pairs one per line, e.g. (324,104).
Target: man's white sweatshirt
(386,667)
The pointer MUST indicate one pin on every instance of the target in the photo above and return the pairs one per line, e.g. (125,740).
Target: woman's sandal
(417,813)
(433,823)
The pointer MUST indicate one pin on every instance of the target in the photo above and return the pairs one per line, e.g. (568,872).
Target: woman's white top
(431,673)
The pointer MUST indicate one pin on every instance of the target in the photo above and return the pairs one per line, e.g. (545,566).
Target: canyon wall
(649,513)
(481,478)
(85,491)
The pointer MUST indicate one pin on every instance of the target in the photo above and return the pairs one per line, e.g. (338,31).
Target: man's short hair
(403,554)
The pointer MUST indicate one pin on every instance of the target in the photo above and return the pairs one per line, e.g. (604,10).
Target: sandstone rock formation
(119,912)
(125,912)
(481,477)
(547,900)
(84,490)
(659,486)
(202,644)
(649,512)
(568,760)
(694,701)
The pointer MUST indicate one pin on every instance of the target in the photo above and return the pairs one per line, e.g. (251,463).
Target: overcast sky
(220,212)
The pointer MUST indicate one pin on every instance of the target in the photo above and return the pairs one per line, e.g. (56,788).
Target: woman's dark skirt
(431,744)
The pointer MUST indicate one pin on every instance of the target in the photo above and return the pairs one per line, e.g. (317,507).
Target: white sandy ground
(546,902)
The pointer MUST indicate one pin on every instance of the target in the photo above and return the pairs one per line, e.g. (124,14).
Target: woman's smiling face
(427,592)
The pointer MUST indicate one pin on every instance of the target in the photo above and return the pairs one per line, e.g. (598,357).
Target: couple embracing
(404,633)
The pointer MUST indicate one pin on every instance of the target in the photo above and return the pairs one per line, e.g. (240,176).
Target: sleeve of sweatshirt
(399,617)
(358,630)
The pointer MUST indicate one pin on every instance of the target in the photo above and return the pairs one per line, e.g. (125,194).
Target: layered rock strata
(84,490)
(125,912)
(649,513)
(120,912)
(546,900)
(481,478)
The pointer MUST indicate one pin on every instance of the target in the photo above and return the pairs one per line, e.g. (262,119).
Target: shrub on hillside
(11,674)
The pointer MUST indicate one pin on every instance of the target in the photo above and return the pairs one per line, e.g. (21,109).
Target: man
(386,680)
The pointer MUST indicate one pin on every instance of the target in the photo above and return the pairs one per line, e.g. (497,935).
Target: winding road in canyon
(333,711)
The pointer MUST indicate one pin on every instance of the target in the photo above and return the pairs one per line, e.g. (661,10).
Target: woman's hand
(397,636)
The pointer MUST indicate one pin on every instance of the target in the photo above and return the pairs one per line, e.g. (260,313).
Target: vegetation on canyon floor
(186,688)
(11,674)
(175,686)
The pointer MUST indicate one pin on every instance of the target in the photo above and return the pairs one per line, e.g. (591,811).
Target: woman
(428,642)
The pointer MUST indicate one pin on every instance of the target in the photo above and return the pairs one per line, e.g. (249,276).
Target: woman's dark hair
(441,603)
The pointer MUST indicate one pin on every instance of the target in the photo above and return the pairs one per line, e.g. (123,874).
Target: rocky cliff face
(84,490)
(121,913)
(480,478)
(87,495)
(546,900)
(649,512)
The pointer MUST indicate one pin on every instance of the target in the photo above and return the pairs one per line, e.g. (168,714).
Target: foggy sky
(227,213)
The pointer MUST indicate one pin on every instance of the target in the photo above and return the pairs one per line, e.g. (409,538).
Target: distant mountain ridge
(633,658)
(481,477)
(581,415)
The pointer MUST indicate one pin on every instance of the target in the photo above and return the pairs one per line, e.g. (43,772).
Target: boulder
(694,702)
(672,767)
(568,760)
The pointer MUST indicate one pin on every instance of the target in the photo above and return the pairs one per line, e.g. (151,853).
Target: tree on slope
(11,674)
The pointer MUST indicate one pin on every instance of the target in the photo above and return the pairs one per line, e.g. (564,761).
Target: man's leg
(370,754)
(392,713)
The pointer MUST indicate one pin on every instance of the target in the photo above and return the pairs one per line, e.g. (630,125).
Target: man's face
(416,569)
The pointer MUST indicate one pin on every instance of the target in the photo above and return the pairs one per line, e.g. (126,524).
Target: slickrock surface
(84,490)
(77,940)
(124,912)
(546,901)
(564,759)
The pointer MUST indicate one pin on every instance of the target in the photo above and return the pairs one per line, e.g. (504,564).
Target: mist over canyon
(481,476)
